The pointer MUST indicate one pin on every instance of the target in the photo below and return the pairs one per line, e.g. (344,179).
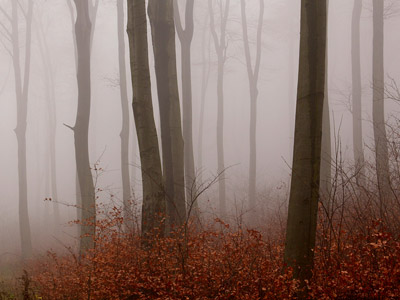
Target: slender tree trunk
(253,82)
(304,192)
(83,30)
(205,75)
(326,140)
(124,135)
(378,109)
(21,90)
(356,93)
(185,38)
(51,110)
(220,49)
(153,189)
(161,15)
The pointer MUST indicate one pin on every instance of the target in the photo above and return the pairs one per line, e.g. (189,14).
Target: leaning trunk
(304,191)
(161,16)
(153,209)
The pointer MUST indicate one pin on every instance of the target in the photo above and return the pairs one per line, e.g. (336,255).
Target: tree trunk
(378,110)
(81,129)
(21,90)
(205,75)
(161,16)
(153,208)
(304,192)
(124,135)
(356,93)
(252,75)
(52,114)
(185,38)
(220,49)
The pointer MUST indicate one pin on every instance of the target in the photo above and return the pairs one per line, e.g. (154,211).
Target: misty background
(275,112)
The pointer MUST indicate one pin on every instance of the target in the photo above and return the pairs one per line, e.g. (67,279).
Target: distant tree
(51,112)
(378,108)
(161,15)
(124,135)
(83,32)
(356,92)
(152,178)
(220,48)
(22,80)
(252,74)
(304,191)
(205,76)
(185,36)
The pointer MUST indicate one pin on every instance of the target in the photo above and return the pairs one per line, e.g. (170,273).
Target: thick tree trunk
(161,14)
(378,109)
(304,192)
(356,93)
(185,37)
(253,82)
(220,49)
(153,208)
(81,129)
(21,91)
(124,135)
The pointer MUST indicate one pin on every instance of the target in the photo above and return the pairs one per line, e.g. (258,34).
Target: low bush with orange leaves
(220,263)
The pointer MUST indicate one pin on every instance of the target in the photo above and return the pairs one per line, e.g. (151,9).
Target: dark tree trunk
(304,191)
(161,16)
(153,189)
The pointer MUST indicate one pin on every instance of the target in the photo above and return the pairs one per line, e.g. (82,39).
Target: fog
(275,110)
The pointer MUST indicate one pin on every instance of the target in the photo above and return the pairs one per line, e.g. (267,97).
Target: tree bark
(185,36)
(124,135)
(304,191)
(153,208)
(357,93)
(378,109)
(220,49)
(252,75)
(161,15)
(21,91)
(83,30)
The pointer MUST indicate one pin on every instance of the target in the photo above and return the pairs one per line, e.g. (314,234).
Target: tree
(220,48)
(124,135)
(304,190)
(51,112)
(185,37)
(83,32)
(252,74)
(152,178)
(21,85)
(378,109)
(161,15)
(356,92)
